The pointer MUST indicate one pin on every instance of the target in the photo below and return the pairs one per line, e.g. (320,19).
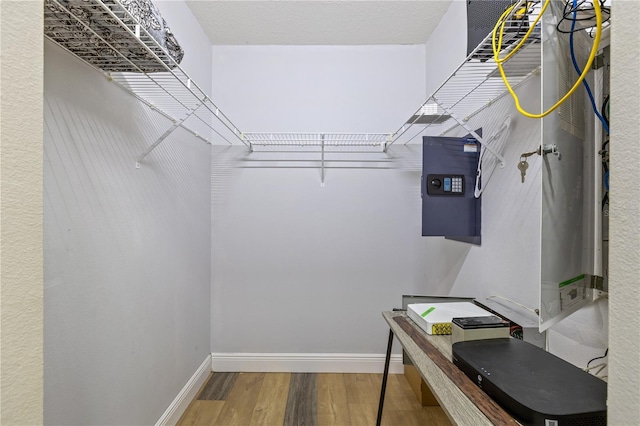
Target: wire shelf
(477,83)
(372,140)
(106,36)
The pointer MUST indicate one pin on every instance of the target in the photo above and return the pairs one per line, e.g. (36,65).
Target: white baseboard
(179,405)
(305,363)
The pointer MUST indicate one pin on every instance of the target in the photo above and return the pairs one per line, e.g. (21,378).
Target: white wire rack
(477,83)
(106,36)
(130,57)
(373,140)
(319,144)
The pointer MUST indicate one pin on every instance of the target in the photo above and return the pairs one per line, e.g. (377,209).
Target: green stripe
(571,281)
(427,312)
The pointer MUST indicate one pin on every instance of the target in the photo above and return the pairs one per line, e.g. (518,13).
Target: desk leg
(384,377)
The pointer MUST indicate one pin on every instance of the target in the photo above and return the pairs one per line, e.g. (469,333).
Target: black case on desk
(536,387)
(472,323)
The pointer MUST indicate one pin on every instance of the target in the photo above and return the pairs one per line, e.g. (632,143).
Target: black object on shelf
(482,16)
(472,323)
(535,386)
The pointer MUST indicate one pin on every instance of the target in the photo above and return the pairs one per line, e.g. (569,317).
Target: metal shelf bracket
(322,162)
(166,134)
(472,132)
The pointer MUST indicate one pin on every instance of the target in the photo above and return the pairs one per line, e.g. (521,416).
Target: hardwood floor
(218,386)
(309,399)
(302,401)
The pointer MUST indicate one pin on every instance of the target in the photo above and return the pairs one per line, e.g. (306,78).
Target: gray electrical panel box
(482,16)
(449,207)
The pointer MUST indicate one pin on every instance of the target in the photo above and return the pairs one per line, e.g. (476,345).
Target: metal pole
(384,377)
(322,162)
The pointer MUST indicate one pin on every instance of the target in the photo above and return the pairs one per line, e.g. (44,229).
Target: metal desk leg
(384,377)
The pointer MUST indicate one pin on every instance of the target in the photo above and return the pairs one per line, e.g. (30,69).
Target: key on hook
(523,166)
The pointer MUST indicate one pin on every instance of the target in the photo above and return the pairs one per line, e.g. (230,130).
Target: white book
(435,318)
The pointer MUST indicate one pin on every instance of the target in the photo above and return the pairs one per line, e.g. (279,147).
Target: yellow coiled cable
(497,47)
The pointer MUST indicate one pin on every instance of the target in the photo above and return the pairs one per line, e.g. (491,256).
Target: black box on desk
(534,386)
(476,328)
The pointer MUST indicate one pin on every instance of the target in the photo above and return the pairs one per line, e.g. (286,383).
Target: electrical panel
(449,207)
(482,16)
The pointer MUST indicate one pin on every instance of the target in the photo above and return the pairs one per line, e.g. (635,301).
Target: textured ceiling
(338,22)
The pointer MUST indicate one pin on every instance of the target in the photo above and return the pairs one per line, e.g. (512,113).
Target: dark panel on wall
(449,208)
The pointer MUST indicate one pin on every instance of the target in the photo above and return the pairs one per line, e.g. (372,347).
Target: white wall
(318,88)
(21,330)
(302,269)
(446,48)
(508,262)
(126,251)
(279,239)
(624,277)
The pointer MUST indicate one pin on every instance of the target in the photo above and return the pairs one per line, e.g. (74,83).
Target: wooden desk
(463,401)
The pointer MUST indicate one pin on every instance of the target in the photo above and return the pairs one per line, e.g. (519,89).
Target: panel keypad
(440,184)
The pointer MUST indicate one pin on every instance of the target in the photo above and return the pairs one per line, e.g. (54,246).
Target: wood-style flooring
(307,399)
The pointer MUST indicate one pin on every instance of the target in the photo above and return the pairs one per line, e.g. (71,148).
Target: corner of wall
(624,253)
(21,263)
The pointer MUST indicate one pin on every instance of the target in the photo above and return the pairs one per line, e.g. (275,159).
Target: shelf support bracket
(387,143)
(472,132)
(322,161)
(175,125)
